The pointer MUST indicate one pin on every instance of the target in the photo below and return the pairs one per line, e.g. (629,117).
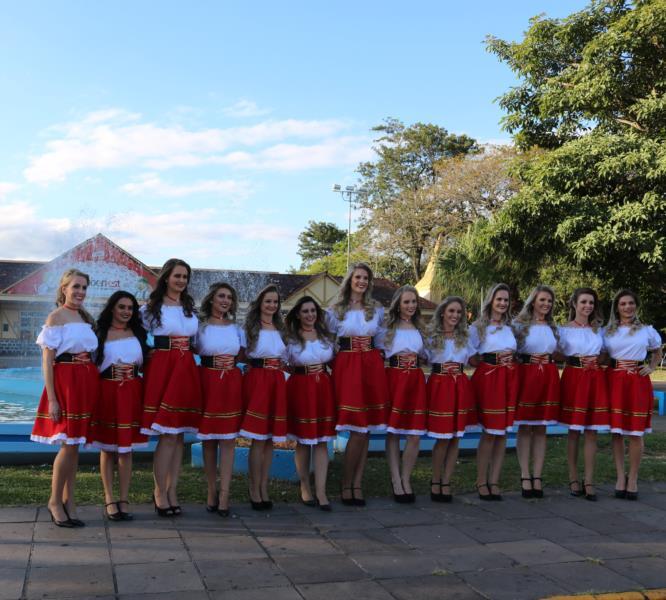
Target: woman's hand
(505,358)
(54,410)
(646,370)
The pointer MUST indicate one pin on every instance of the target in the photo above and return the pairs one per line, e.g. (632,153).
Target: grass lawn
(30,484)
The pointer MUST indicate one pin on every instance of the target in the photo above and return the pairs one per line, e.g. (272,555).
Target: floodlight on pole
(348,194)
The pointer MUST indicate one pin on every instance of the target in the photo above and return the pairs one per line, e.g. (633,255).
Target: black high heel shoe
(535,492)
(526,493)
(124,515)
(436,496)
(622,494)
(325,507)
(75,522)
(575,493)
(211,508)
(67,523)
(630,495)
(446,497)
(358,501)
(496,497)
(487,496)
(116,516)
(399,498)
(590,497)
(346,501)
(161,512)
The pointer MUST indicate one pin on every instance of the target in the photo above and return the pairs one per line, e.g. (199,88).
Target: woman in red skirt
(220,343)
(495,384)
(264,390)
(583,389)
(310,401)
(359,380)
(635,352)
(406,408)
(115,427)
(172,399)
(538,402)
(71,388)
(449,393)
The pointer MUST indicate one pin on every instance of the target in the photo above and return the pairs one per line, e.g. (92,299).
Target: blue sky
(213,131)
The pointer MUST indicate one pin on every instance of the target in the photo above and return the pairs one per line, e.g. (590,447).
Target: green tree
(318,240)
(592,91)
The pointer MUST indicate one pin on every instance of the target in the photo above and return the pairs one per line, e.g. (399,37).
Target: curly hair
(596,319)
(341,306)
(392,318)
(253,317)
(293,323)
(487,310)
(614,317)
(206,307)
(65,279)
(156,298)
(106,317)
(523,321)
(436,329)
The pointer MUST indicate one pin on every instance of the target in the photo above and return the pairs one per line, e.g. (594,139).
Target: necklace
(267,322)
(407,320)
(125,328)
(176,300)
(497,322)
(580,324)
(307,330)
(67,306)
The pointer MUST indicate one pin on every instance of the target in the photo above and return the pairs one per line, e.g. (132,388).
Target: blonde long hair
(614,317)
(436,330)
(523,321)
(65,280)
(341,306)
(487,309)
(392,318)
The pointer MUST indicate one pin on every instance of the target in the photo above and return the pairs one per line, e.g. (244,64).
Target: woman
(403,346)
(264,390)
(71,388)
(495,384)
(115,427)
(449,394)
(172,401)
(635,352)
(583,390)
(220,343)
(310,401)
(538,402)
(359,380)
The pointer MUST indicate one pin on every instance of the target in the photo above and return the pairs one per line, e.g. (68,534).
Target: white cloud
(152,184)
(245,108)
(114,138)
(7,188)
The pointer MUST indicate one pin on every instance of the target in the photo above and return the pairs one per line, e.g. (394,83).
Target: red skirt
(222,393)
(265,401)
(77,392)
(584,399)
(310,408)
(496,391)
(406,409)
(538,395)
(116,420)
(451,405)
(359,383)
(631,402)
(172,398)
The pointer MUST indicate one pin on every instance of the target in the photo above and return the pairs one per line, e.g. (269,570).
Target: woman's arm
(48,356)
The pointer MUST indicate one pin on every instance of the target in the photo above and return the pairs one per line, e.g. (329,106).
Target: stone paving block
(514,508)
(604,548)
(388,566)
(494,531)
(18,514)
(471,558)
(368,540)
(55,553)
(610,521)
(511,584)
(384,503)
(433,536)
(649,572)
(587,576)
(654,500)
(398,517)
(48,532)
(650,544)
(344,590)
(241,574)
(224,547)
(274,593)
(296,545)
(16,532)
(339,521)
(442,587)
(460,510)
(213,526)
(319,569)
(67,581)
(11,582)
(652,517)
(267,524)
(155,578)
(570,507)
(141,529)
(555,529)
(182,595)
(535,552)
(14,554)
(148,551)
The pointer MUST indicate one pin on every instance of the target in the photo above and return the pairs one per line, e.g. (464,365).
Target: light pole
(348,193)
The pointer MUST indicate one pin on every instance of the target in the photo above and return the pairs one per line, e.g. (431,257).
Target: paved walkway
(466,550)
